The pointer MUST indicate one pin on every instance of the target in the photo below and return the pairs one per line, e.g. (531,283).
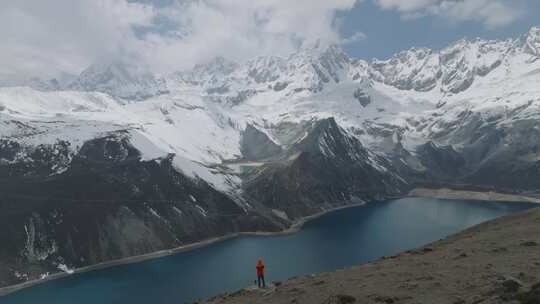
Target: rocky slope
(326,169)
(484,264)
(123,162)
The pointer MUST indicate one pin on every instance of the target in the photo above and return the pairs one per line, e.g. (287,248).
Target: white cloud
(356,37)
(240,29)
(407,5)
(46,38)
(491,13)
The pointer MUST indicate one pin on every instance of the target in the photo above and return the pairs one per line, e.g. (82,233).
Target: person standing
(260,273)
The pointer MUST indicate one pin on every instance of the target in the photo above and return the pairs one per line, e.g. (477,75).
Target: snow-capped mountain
(531,42)
(120,80)
(307,71)
(123,162)
(453,69)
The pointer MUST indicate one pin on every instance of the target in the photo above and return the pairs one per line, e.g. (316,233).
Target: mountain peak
(212,73)
(534,31)
(317,65)
(43,85)
(124,81)
(321,50)
(414,69)
(321,64)
(406,56)
(532,41)
(218,65)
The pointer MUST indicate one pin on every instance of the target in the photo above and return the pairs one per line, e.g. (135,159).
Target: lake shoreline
(472,266)
(453,194)
(294,228)
(441,193)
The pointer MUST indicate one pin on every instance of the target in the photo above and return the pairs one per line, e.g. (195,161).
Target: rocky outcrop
(363,97)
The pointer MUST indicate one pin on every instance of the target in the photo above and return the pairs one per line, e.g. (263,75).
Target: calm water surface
(339,239)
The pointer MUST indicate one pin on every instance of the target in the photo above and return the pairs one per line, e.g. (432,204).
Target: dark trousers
(260,280)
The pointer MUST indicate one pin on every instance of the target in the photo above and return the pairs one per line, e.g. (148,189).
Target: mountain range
(121,162)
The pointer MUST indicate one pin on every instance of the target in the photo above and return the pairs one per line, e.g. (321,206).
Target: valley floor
(495,262)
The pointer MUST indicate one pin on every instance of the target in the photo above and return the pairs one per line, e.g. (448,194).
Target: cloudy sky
(54,37)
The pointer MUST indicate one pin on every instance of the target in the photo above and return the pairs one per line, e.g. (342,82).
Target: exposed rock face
(442,162)
(490,154)
(17,160)
(108,204)
(325,169)
(255,145)
(532,42)
(363,98)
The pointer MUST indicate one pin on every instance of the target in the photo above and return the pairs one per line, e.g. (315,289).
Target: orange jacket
(260,268)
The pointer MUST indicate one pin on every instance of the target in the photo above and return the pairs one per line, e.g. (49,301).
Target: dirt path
(495,262)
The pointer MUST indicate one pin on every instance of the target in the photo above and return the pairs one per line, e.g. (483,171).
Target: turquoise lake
(339,239)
